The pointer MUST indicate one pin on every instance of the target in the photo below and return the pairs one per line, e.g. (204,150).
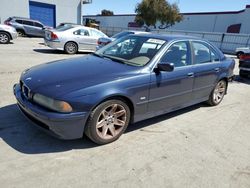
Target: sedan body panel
(116,72)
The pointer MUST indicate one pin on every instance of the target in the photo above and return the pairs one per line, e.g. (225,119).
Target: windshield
(133,50)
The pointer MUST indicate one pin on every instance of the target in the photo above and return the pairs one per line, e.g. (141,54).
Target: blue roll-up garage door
(43,12)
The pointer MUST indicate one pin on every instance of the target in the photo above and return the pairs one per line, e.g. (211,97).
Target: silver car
(7,33)
(26,26)
(73,38)
(106,40)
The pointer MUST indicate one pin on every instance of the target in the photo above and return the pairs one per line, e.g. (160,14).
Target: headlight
(59,106)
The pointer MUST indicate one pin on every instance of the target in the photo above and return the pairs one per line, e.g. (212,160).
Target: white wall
(66,10)
(10,8)
(208,22)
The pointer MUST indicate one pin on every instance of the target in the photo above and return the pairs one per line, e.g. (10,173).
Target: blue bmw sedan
(131,79)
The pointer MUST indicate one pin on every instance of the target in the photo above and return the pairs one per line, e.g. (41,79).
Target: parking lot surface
(199,146)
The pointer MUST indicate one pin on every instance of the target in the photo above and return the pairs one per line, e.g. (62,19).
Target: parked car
(244,65)
(26,26)
(132,79)
(242,50)
(73,38)
(106,40)
(7,33)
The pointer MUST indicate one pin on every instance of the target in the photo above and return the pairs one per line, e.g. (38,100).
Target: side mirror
(166,67)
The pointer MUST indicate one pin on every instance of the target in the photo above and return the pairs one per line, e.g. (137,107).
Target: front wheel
(71,48)
(108,121)
(218,93)
(4,38)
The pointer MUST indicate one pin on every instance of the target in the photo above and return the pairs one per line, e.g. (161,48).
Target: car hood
(59,78)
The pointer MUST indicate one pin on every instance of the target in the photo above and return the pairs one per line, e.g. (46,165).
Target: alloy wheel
(4,38)
(219,91)
(111,121)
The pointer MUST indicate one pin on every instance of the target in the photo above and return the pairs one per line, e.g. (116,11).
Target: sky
(186,6)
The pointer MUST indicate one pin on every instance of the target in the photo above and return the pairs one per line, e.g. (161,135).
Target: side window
(25,22)
(214,56)
(19,21)
(81,32)
(178,54)
(38,24)
(201,53)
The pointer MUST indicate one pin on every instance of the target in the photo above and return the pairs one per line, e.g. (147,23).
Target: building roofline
(188,13)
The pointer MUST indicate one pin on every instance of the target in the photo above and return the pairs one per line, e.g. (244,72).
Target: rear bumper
(63,126)
(54,44)
(13,35)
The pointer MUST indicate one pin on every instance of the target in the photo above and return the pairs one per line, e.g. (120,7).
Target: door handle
(191,74)
(217,69)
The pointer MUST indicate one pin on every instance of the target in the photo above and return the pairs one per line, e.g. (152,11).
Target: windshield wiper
(114,59)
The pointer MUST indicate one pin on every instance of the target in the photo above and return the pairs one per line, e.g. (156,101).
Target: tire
(108,121)
(71,48)
(20,33)
(4,38)
(243,74)
(238,54)
(218,93)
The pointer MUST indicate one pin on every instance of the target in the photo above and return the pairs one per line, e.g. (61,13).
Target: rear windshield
(64,27)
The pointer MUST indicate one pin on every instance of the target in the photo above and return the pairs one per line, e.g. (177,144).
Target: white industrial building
(49,12)
(231,21)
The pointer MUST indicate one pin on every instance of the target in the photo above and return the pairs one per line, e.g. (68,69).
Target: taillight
(7,23)
(53,36)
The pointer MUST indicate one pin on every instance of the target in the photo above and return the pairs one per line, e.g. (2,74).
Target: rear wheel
(4,38)
(108,121)
(71,48)
(20,33)
(218,93)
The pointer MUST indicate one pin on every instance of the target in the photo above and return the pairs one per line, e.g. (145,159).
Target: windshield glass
(132,49)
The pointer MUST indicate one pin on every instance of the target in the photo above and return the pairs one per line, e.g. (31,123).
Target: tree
(107,12)
(151,11)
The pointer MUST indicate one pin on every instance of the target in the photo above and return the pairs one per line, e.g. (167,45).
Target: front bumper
(64,126)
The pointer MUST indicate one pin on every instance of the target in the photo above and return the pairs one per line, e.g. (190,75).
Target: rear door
(207,68)
(28,27)
(84,39)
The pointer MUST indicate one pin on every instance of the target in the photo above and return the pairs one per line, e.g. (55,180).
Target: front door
(172,90)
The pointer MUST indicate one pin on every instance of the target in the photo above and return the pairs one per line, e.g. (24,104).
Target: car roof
(23,18)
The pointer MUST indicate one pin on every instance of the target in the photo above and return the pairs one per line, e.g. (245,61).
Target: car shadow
(53,51)
(48,51)
(239,79)
(19,133)
(164,117)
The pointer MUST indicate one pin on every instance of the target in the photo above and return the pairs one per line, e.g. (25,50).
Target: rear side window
(25,22)
(82,32)
(19,21)
(203,53)
(38,24)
